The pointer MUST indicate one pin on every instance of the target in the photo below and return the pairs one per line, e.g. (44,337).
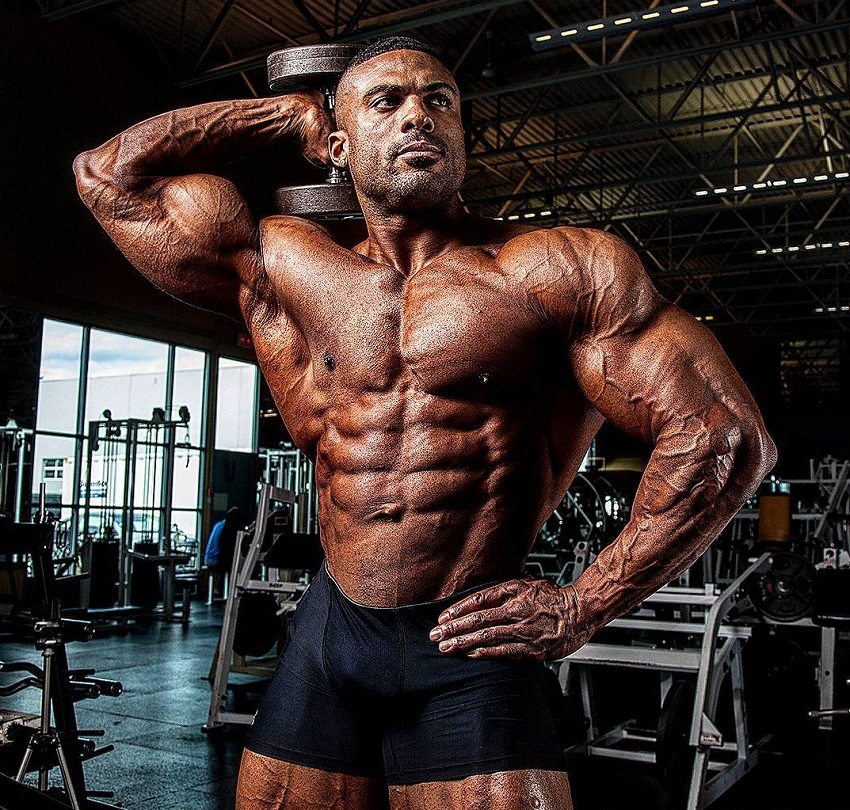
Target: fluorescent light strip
(844,243)
(651,18)
(767,185)
(540,213)
(830,309)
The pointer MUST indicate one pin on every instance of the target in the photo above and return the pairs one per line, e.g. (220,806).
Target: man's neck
(411,240)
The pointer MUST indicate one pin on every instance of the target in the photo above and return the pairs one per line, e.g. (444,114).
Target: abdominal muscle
(418,507)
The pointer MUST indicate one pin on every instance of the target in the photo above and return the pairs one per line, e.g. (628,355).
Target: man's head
(400,132)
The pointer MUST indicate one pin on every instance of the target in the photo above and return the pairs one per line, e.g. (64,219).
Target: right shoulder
(287,246)
(282,236)
(292,251)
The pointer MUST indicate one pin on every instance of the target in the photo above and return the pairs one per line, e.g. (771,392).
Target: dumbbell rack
(247,575)
(703,611)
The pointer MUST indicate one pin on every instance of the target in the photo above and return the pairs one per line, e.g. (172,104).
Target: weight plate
(674,757)
(308,66)
(784,592)
(319,201)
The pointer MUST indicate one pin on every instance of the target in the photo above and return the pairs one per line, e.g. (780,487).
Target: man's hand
(316,125)
(521,618)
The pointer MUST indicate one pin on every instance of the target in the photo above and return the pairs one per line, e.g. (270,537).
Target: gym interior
(135,428)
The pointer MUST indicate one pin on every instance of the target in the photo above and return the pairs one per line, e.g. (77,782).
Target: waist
(427,607)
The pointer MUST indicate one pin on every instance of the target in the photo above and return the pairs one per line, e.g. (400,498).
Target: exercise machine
(271,569)
(33,613)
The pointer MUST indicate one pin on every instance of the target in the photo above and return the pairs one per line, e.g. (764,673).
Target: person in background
(218,555)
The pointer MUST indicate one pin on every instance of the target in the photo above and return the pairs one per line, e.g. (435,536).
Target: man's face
(400,131)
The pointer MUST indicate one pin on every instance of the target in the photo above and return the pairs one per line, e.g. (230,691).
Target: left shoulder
(584,277)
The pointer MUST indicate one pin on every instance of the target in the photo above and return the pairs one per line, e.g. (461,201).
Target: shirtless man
(446,376)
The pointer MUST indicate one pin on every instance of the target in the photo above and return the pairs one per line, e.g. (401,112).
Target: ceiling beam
(663,126)
(655,59)
(410,21)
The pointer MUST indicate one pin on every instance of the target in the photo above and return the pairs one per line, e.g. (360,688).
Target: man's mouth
(421,149)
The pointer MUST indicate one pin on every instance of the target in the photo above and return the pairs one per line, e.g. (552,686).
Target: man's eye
(385,102)
(440,100)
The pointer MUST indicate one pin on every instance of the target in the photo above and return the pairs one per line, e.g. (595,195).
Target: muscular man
(446,376)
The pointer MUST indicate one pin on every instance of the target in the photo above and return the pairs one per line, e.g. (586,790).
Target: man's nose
(416,117)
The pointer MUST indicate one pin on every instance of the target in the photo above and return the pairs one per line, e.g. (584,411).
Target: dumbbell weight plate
(308,67)
(319,201)
(783,593)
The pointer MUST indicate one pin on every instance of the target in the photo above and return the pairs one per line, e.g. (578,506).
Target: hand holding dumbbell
(314,68)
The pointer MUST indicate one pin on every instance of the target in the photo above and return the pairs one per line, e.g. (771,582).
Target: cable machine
(127,506)
(288,468)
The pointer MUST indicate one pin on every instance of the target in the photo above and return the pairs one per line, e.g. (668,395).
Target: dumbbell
(314,67)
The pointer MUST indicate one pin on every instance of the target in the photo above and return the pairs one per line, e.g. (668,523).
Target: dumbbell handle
(335,173)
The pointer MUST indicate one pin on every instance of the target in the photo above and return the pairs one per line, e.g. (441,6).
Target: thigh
(271,784)
(508,790)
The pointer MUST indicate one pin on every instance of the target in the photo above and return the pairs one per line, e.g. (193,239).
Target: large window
(59,377)
(124,387)
(236,408)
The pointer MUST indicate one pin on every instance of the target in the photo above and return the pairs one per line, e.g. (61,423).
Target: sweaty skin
(446,376)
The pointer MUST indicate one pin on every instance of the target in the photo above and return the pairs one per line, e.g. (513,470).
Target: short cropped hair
(387,44)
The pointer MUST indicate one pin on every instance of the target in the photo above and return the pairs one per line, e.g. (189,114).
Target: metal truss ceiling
(618,133)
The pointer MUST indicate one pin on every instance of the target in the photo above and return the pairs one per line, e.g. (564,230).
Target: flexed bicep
(156,190)
(647,365)
(192,236)
(669,383)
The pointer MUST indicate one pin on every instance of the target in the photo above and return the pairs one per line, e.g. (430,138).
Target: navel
(389,511)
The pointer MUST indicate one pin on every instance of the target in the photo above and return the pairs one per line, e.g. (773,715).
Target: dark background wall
(65,90)
(65,87)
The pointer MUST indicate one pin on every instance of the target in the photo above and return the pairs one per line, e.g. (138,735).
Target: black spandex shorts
(363,691)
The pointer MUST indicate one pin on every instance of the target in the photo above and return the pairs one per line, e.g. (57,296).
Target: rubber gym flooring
(163,760)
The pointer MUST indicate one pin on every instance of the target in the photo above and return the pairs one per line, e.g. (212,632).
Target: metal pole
(19,481)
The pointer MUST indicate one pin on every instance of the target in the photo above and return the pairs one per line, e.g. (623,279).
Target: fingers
(314,124)
(487,598)
(521,618)
(314,141)
(468,623)
(487,638)
(483,625)
(515,652)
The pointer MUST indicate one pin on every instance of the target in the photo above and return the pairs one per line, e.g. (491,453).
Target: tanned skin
(446,376)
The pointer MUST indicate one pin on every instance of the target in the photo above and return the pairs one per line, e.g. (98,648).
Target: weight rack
(718,654)
(247,575)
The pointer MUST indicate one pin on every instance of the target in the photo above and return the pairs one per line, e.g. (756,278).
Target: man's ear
(338,148)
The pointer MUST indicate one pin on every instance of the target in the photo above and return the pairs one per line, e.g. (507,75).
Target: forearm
(193,139)
(698,477)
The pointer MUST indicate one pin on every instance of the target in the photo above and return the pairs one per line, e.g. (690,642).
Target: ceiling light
(619,23)
(844,243)
(532,213)
(767,185)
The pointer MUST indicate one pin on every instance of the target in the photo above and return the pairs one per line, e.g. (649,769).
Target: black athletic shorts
(362,690)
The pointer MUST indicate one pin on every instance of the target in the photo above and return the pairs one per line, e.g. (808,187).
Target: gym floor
(163,760)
